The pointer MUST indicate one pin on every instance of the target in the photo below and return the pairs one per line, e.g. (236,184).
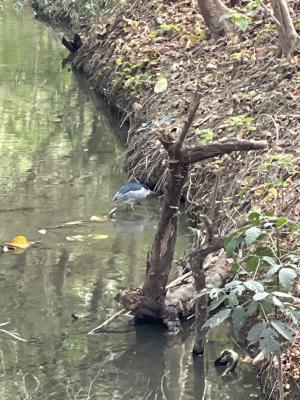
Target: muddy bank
(147,60)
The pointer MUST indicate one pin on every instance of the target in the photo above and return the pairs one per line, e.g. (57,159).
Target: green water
(61,160)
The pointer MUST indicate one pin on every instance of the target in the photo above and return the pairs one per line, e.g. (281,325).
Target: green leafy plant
(205,135)
(268,31)
(132,75)
(252,4)
(263,285)
(153,34)
(240,123)
(170,27)
(242,21)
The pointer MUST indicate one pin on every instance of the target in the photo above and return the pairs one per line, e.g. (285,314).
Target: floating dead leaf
(78,238)
(97,236)
(74,223)
(82,238)
(101,218)
(161,84)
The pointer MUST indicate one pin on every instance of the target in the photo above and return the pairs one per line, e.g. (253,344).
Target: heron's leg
(131,206)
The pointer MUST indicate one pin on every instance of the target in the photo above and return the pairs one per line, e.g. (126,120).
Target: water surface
(61,160)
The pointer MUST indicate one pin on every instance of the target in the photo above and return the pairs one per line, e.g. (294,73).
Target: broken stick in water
(107,322)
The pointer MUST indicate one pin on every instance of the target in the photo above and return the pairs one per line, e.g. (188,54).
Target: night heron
(131,193)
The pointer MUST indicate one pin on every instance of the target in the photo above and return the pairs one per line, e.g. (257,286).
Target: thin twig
(107,322)
(14,335)
(179,280)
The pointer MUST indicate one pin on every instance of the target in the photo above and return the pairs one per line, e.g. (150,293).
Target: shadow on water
(61,160)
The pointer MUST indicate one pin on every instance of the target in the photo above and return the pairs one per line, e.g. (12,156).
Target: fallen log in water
(179,299)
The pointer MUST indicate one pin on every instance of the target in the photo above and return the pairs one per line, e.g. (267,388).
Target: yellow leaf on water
(20,242)
(101,218)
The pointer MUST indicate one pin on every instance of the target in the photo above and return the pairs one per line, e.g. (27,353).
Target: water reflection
(131,223)
(61,160)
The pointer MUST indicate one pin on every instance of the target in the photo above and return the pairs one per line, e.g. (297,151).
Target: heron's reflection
(130,223)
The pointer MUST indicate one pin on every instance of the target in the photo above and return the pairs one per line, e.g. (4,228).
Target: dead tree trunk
(148,301)
(212,11)
(287,34)
(161,255)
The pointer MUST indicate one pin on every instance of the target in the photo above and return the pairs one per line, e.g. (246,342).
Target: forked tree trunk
(161,255)
(212,11)
(160,258)
(149,301)
(287,34)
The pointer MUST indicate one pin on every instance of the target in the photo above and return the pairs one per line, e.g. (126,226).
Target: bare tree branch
(203,152)
(216,245)
(192,112)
